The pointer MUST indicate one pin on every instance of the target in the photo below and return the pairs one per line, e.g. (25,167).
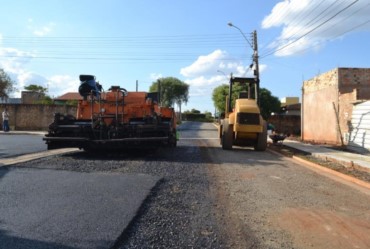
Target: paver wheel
(172,141)
(227,136)
(261,143)
(51,146)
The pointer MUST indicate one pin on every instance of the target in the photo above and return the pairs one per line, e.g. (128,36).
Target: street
(211,198)
(13,145)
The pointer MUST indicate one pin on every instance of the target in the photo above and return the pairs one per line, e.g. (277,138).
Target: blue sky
(50,43)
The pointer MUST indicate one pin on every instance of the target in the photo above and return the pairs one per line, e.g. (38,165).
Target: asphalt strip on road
(44,208)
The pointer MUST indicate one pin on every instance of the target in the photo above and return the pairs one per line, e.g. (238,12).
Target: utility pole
(256,70)
(137,85)
(255,62)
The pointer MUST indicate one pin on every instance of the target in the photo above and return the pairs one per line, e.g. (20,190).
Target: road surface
(211,198)
(14,145)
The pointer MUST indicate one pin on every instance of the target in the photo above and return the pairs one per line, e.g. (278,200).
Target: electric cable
(310,31)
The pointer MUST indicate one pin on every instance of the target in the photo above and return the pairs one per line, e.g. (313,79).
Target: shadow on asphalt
(3,172)
(8,241)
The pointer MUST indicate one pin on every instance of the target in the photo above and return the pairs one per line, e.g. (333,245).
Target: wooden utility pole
(256,70)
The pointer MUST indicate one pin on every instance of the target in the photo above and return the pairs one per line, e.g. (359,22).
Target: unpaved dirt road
(211,198)
(268,201)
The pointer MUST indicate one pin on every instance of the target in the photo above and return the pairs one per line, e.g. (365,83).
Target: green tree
(45,99)
(208,115)
(6,84)
(172,90)
(219,95)
(36,88)
(269,103)
(194,111)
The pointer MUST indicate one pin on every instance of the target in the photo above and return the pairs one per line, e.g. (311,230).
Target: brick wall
(328,102)
(354,84)
(34,117)
(287,124)
(319,94)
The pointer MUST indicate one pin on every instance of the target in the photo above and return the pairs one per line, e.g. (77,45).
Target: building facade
(328,101)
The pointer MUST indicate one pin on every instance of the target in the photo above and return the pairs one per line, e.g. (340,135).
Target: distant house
(70,96)
(328,101)
(31,97)
(288,121)
(290,106)
(289,101)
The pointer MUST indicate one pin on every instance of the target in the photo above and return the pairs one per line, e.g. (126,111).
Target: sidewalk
(347,159)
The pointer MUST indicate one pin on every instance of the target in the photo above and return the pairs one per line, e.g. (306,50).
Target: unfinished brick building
(328,101)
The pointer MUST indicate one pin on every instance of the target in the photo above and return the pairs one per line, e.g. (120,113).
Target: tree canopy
(36,88)
(6,84)
(268,102)
(219,95)
(46,99)
(172,90)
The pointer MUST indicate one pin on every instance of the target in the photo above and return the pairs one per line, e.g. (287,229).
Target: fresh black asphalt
(42,208)
(15,145)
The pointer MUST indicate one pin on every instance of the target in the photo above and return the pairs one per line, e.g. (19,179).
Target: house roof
(69,96)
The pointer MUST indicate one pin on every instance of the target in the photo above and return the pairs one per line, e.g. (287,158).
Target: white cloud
(205,64)
(155,76)
(56,85)
(213,64)
(203,81)
(262,67)
(14,59)
(212,70)
(25,78)
(60,84)
(309,24)
(40,30)
(15,62)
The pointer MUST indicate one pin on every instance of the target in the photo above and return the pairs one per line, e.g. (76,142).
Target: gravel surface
(179,212)
(211,198)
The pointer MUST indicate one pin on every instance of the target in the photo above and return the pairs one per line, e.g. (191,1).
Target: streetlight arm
(232,25)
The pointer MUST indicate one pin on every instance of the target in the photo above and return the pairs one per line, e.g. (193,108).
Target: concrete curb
(332,174)
(347,159)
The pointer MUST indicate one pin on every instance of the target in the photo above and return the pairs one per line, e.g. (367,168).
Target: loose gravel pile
(179,213)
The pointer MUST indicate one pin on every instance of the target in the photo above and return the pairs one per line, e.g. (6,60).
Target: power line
(341,33)
(117,58)
(292,33)
(122,48)
(310,31)
(134,48)
(338,35)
